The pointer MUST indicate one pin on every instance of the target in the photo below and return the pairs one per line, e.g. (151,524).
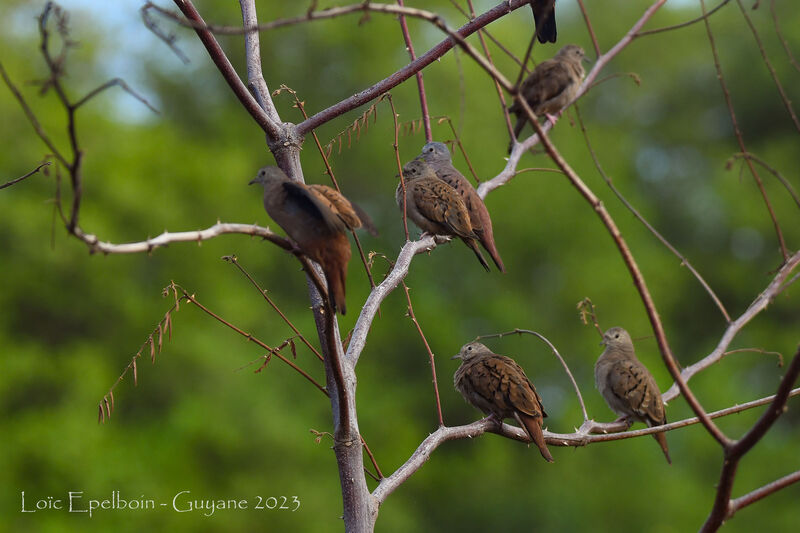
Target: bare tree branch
(582,437)
(262,118)
(26,176)
(734,451)
(737,131)
(775,287)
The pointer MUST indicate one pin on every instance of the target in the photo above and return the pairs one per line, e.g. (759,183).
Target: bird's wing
(485,381)
(631,382)
(300,200)
(450,175)
(337,203)
(350,212)
(517,387)
(549,80)
(439,202)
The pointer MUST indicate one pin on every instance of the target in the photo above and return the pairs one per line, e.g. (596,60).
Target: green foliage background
(201,420)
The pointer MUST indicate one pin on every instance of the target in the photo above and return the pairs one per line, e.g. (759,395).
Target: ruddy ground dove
(627,386)
(498,386)
(435,206)
(438,156)
(316,218)
(551,86)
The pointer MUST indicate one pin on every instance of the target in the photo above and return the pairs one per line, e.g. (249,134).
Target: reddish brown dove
(438,156)
(551,86)
(627,386)
(316,218)
(544,17)
(435,206)
(498,386)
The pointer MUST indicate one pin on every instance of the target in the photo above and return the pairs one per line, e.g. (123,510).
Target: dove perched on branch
(435,206)
(498,386)
(551,86)
(438,157)
(627,386)
(316,218)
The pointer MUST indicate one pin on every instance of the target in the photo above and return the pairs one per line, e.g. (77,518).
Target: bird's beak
(456,356)
(586,59)
(602,342)
(252,181)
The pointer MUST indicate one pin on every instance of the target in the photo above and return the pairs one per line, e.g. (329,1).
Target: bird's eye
(616,336)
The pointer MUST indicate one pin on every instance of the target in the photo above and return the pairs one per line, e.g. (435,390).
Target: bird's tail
(335,282)
(487,240)
(533,428)
(334,261)
(544,18)
(661,438)
(474,247)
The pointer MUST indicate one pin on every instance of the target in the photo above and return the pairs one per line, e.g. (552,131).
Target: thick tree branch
(733,453)
(587,434)
(262,118)
(519,148)
(409,70)
(358,338)
(166,238)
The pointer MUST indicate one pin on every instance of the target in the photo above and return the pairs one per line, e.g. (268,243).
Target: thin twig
(784,98)
(116,82)
(191,299)
(497,87)
(759,304)
(589,28)
(586,308)
(423,101)
(329,171)
(787,185)
(262,118)
(761,493)
(491,37)
(37,127)
(28,175)
(518,331)
(738,133)
(413,317)
(684,262)
(235,261)
(778,31)
(683,24)
(398,162)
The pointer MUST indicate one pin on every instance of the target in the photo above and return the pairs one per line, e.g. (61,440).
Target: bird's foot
(628,421)
(552,118)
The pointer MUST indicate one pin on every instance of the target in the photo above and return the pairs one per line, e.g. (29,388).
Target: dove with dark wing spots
(627,386)
(498,386)
(436,207)
(438,157)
